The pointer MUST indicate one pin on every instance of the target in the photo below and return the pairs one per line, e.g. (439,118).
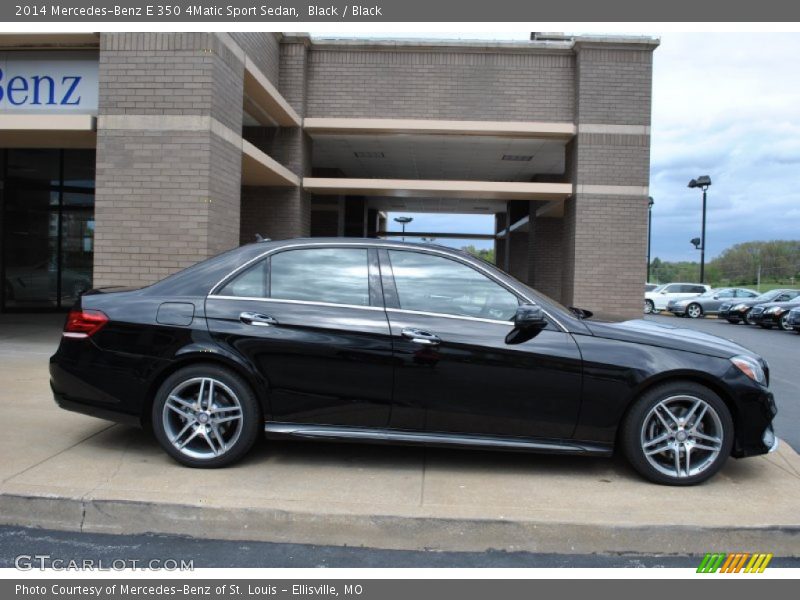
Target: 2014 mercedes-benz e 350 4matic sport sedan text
(372,340)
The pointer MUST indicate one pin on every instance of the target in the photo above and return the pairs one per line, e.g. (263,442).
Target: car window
(440,285)
(334,275)
(250,283)
(673,289)
(695,289)
(745,294)
(725,294)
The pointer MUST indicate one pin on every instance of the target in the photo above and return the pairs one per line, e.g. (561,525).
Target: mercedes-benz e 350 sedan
(370,340)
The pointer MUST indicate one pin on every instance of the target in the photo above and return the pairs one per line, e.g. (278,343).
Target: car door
(671,292)
(712,304)
(454,371)
(311,321)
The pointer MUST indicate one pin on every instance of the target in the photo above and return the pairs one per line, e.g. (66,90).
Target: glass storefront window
(47,209)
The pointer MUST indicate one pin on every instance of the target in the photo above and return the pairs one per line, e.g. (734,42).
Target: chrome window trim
(448,316)
(283,301)
(300,245)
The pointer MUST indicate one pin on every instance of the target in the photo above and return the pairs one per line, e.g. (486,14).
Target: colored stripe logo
(738,562)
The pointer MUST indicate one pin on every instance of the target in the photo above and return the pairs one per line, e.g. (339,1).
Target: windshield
(767,296)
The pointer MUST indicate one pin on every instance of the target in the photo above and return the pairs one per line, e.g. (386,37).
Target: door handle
(251,318)
(419,336)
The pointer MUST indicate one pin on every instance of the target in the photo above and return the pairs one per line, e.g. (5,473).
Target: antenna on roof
(260,238)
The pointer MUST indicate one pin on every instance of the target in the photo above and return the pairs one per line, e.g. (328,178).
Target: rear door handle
(420,336)
(251,318)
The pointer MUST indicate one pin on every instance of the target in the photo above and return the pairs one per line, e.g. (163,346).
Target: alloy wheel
(694,311)
(682,436)
(202,418)
(783,323)
(748,319)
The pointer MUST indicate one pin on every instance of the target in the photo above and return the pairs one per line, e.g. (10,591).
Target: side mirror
(529,320)
(664,292)
(716,296)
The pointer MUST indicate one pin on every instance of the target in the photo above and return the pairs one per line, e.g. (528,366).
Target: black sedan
(739,310)
(370,340)
(774,314)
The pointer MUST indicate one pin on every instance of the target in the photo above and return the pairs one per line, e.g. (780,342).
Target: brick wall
(605,234)
(441,84)
(166,196)
(545,261)
(263,48)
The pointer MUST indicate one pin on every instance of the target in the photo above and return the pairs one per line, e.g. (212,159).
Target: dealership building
(125,157)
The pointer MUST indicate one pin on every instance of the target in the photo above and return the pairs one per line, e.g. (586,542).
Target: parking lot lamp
(404,221)
(702,182)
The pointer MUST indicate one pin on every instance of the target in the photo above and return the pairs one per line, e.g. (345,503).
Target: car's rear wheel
(205,416)
(649,307)
(679,433)
(783,322)
(694,311)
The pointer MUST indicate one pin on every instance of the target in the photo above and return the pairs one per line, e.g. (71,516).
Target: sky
(725,105)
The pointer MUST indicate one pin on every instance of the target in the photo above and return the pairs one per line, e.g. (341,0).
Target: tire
(694,311)
(203,436)
(732,321)
(649,307)
(783,322)
(644,430)
(747,320)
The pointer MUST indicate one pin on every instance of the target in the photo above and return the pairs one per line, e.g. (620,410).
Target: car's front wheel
(783,322)
(748,319)
(678,433)
(205,416)
(694,311)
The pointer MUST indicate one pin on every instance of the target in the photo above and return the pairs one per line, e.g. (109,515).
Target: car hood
(640,331)
(789,305)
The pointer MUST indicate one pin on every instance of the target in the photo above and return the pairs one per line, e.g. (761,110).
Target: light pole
(404,221)
(702,182)
(650,203)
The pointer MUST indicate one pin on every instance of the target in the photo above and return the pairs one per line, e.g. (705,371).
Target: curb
(387,531)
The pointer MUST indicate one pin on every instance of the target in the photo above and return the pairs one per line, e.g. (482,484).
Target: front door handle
(251,318)
(420,336)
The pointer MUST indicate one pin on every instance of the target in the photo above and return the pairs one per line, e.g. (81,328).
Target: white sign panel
(48,82)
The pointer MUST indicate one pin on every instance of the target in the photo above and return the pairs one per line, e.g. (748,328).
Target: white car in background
(659,298)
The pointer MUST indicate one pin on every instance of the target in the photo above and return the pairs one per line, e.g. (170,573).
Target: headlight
(750,367)
(775,310)
(740,307)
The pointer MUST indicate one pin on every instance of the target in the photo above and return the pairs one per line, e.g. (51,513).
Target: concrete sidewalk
(66,471)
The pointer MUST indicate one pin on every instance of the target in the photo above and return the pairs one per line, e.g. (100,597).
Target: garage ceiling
(448,157)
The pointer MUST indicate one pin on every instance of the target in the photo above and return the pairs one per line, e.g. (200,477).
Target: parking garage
(174,147)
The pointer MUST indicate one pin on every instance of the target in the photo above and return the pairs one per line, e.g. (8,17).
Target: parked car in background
(774,314)
(707,303)
(739,311)
(372,340)
(649,287)
(658,299)
(794,319)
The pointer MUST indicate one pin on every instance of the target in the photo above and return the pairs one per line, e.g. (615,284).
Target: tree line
(742,264)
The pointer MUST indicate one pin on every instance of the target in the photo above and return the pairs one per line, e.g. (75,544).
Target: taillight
(84,323)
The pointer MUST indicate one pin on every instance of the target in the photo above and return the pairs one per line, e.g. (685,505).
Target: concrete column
(168,154)
(605,221)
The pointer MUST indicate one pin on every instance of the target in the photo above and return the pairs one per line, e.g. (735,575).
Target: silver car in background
(708,303)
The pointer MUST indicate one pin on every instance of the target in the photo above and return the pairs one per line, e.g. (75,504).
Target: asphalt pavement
(69,546)
(781,349)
